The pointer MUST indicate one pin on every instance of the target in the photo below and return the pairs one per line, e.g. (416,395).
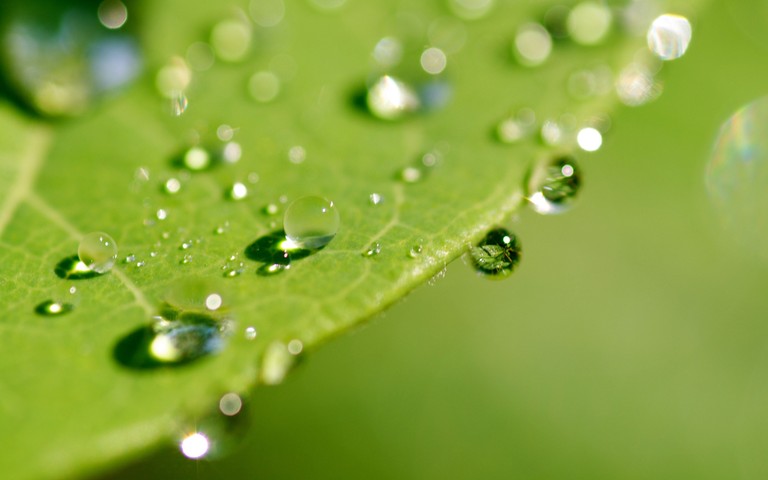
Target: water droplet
(250,333)
(669,36)
(411,174)
(253,177)
(53,308)
(295,346)
(532,45)
(172,79)
(196,158)
(271,209)
(161,214)
(311,222)
(153,254)
(172,186)
(231,152)
(264,86)
(267,13)
(373,250)
(297,154)
(140,263)
(433,61)
(231,40)
(390,98)
(416,250)
(195,445)
(636,85)
(737,177)
(225,133)
(237,191)
(388,52)
(112,14)
(98,251)
(588,23)
(375,199)
(230,404)
(553,185)
(589,139)
(497,254)
(517,127)
(471,9)
(186,245)
(275,364)
(221,229)
(186,259)
(195,295)
(129,258)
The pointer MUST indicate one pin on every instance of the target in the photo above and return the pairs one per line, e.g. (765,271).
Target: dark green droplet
(497,254)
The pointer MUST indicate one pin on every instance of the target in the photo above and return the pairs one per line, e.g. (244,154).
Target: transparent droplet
(433,61)
(416,250)
(636,85)
(553,185)
(388,52)
(221,229)
(98,251)
(264,86)
(372,250)
(196,159)
(311,222)
(140,263)
(267,13)
(375,199)
(297,154)
(187,338)
(230,404)
(295,346)
(389,98)
(172,79)
(532,45)
(589,23)
(129,258)
(471,9)
(589,139)
(231,40)
(53,308)
(161,214)
(250,333)
(186,259)
(112,14)
(497,254)
(669,36)
(275,364)
(237,191)
(737,178)
(271,209)
(195,446)
(225,133)
(172,186)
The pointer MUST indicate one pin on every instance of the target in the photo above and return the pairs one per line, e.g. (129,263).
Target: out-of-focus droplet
(737,178)
(553,185)
(669,36)
(231,153)
(416,250)
(231,40)
(516,127)
(275,363)
(230,404)
(387,52)
(636,85)
(375,199)
(297,154)
(433,61)
(53,308)
(225,133)
(98,251)
(497,254)
(311,222)
(250,333)
(112,14)
(390,99)
(471,9)
(267,13)
(179,104)
(196,159)
(195,446)
(295,346)
(237,191)
(173,78)
(588,83)
(589,23)
(532,44)
(264,86)
(195,295)
(589,139)
(373,250)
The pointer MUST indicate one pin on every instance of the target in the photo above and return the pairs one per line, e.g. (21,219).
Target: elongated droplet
(98,251)
(553,186)
(53,308)
(311,222)
(497,254)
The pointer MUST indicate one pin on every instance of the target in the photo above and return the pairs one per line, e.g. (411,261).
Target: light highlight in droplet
(589,139)
(532,44)
(669,36)
(389,98)
(433,61)
(195,445)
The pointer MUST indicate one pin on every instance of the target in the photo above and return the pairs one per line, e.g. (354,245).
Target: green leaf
(68,400)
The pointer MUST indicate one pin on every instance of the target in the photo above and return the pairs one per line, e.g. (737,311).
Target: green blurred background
(631,343)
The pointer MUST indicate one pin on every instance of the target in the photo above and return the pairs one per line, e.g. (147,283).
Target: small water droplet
(196,159)
(589,139)
(275,364)
(161,214)
(264,86)
(558,132)
(172,186)
(373,250)
(375,199)
(231,39)
(230,404)
(636,85)
(129,258)
(140,263)
(225,133)
(311,222)
(497,254)
(195,446)
(231,153)
(186,259)
(532,45)
(295,346)
(388,52)
(589,23)
(186,245)
(516,127)
(389,98)
(53,308)
(173,79)
(250,333)
(221,229)
(178,104)
(433,61)
(271,209)
(98,251)
(553,186)
(237,191)
(669,36)
(297,154)
(416,250)
(112,14)
(411,174)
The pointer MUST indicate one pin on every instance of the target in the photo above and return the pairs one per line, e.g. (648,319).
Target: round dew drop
(98,251)
(554,185)
(497,254)
(311,222)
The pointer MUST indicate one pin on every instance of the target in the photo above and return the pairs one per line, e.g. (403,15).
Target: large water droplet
(532,44)
(737,177)
(98,251)
(390,98)
(311,222)
(669,36)
(497,254)
(553,186)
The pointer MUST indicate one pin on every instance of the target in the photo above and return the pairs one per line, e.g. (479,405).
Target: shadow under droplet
(358,100)
(71,268)
(270,251)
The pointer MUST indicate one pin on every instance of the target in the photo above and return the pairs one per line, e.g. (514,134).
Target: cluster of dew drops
(196,322)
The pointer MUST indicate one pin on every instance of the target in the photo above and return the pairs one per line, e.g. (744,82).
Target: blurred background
(631,342)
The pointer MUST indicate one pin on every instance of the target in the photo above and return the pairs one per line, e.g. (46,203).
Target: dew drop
(140,263)
(112,14)
(172,79)
(295,346)
(196,159)
(264,86)
(373,250)
(311,222)
(433,61)
(271,209)
(589,139)
(389,98)
(532,45)
(186,259)
(553,186)
(98,251)
(416,250)
(297,154)
(225,133)
(411,175)
(53,308)
(161,214)
(497,254)
(230,404)
(231,40)
(231,153)
(250,333)
(636,85)
(129,258)
(172,186)
(195,446)
(275,364)
(589,23)
(221,229)
(237,191)
(669,36)
(375,199)
(517,127)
